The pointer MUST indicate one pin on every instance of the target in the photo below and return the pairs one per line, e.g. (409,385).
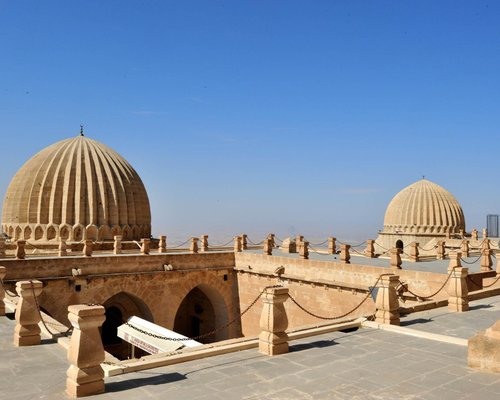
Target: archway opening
(197,316)
(399,244)
(114,318)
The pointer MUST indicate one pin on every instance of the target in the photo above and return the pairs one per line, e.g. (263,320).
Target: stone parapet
(457,290)
(27,331)
(273,339)
(387,301)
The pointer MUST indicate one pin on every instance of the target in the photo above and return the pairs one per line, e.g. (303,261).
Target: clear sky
(258,116)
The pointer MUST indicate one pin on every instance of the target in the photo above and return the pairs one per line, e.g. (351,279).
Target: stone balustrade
(396,258)
(268,247)
(370,248)
(332,246)
(117,245)
(486,261)
(345,255)
(27,331)
(162,244)
(457,290)
(204,243)
(193,248)
(145,246)
(304,250)
(464,248)
(244,241)
(88,248)
(414,253)
(483,350)
(387,301)
(2,247)
(21,249)
(237,244)
(273,339)
(63,248)
(440,250)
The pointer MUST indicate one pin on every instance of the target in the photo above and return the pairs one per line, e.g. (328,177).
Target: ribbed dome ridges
(424,207)
(76,188)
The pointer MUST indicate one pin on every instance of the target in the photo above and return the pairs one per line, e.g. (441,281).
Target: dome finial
(81,130)
(423,176)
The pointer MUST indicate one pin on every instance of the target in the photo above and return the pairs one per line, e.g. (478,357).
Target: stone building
(422,212)
(76,189)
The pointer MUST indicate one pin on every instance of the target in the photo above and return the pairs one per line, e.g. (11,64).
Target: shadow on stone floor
(157,379)
(415,321)
(479,306)
(307,346)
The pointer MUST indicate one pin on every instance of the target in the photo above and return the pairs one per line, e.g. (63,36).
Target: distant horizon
(293,118)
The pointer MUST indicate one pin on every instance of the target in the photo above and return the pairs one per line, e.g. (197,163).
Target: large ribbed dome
(77,188)
(424,208)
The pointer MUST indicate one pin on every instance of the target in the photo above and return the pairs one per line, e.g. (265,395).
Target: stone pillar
(464,247)
(237,244)
(486,262)
(462,233)
(63,248)
(27,331)
(288,246)
(497,254)
(193,248)
(396,258)
(414,253)
(145,246)
(484,349)
(2,247)
(204,243)
(88,248)
(298,240)
(268,247)
(271,236)
(162,244)
(440,251)
(117,245)
(3,272)
(485,233)
(474,234)
(273,339)
(244,241)
(332,247)
(304,251)
(457,290)
(345,256)
(455,261)
(370,248)
(85,376)
(20,249)
(486,244)
(387,302)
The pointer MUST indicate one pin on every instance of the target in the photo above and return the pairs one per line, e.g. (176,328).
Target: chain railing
(405,286)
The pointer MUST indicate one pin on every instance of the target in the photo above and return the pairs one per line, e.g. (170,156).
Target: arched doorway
(399,244)
(201,312)
(119,308)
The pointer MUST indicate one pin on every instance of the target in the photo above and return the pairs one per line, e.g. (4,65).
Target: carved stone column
(345,256)
(88,248)
(396,258)
(20,249)
(370,248)
(414,253)
(204,243)
(268,247)
(3,272)
(162,244)
(244,241)
(304,250)
(193,248)
(464,248)
(457,290)
(145,246)
(486,261)
(273,338)
(117,245)
(486,244)
(271,236)
(2,247)
(485,233)
(237,244)
(455,260)
(63,248)
(298,241)
(332,247)
(86,353)
(484,349)
(497,254)
(387,301)
(440,251)
(27,331)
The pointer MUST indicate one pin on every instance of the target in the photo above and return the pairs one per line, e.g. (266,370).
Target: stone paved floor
(366,364)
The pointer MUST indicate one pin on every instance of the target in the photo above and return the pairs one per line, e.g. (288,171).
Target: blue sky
(258,116)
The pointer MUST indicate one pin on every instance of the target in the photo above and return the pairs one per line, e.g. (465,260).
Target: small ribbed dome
(424,208)
(77,188)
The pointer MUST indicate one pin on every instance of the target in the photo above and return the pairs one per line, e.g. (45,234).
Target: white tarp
(151,344)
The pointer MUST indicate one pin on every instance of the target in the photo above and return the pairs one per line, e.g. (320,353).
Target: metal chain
(11,294)
(370,291)
(491,284)
(433,294)
(179,245)
(222,245)
(254,244)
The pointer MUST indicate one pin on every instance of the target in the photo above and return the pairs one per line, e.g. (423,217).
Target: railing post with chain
(486,244)
(88,248)
(332,247)
(145,246)
(497,256)
(272,236)
(268,247)
(237,244)
(457,290)
(486,262)
(370,248)
(193,248)
(162,244)
(20,249)
(273,339)
(440,251)
(288,246)
(414,254)
(85,375)
(27,331)
(244,241)
(387,302)
(485,233)
(204,243)
(396,258)
(298,242)
(345,256)
(2,247)
(304,250)
(474,234)
(3,272)
(117,245)
(483,349)
(464,248)
(63,248)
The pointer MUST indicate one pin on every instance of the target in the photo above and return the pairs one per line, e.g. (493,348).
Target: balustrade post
(268,247)
(88,248)
(486,261)
(145,246)
(345,256)
(332,247)
(387,301)
(273,339)
(288,246)
(457,290)
(3,272)
(244,241)
(370,248)
(85,375)
(414,253)
(194,245)
(63,248)
(440,250)
(162,244)
(304,250)
(237,244)
(396,258)
(204,243)
(27,331)
(464,248)
(2,247)
(485,233)
(272,236)
(117,245)
(20,249)
(483,350)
